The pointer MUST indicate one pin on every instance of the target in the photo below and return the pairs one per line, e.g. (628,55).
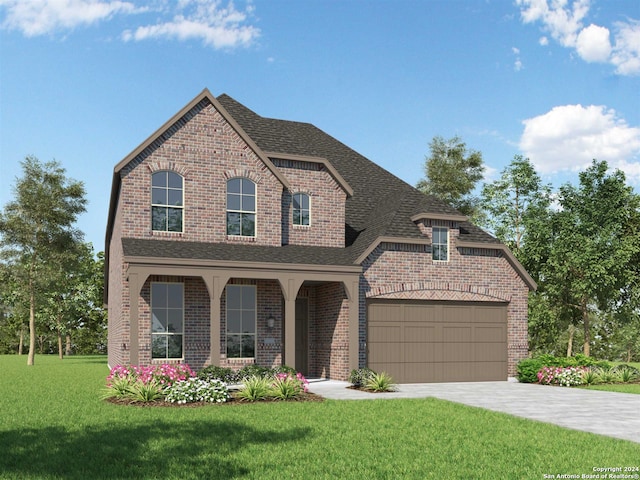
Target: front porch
(304,319)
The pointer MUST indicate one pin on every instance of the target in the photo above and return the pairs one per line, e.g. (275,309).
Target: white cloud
(569,137)
(626,52)
(216,26)
(562,23)
(562,19)
(41,17)
(593,44)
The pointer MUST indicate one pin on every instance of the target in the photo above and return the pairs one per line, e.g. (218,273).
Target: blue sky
(86,81)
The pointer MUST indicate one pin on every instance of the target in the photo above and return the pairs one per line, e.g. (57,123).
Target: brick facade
(400,271)
(207,150)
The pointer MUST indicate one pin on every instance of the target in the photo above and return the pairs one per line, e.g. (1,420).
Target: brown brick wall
(118,301)
(207,152)
(329,333)
(327,200)
(407,271)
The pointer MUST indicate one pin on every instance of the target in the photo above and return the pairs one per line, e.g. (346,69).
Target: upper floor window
(301,209)
(440,244)
(241,207)
(167,204)
(167,320)
(241,321)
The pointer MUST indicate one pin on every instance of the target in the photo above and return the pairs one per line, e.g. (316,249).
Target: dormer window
(440,244)
(301,209)
(241,207)
(167,202)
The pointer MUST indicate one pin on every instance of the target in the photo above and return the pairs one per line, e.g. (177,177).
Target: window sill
(241,238)
(162,233)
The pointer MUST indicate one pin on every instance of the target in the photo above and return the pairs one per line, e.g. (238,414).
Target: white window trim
(228,210)
(167,206)
(298,225)
(151,312)
(255,320)
(448,244)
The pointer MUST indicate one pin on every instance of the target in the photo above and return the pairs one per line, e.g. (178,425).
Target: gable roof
(380,207)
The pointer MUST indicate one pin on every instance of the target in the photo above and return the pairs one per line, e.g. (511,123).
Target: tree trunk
(21,343)
(67,348)
(60,345)
(32,323)
(587,328)
(628,354)
(572,331)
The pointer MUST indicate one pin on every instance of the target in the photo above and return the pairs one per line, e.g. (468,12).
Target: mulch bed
(352,387)
(305,397)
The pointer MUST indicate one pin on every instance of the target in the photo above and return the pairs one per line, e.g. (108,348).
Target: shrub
(150,391)
(253,370)
(164,374)
(287,386)
(563,376)
(283,369)
(590,376)
(360,376)
(380,382)
(197,390)
(527,369)
(626,373)
(255,388)
(213,372)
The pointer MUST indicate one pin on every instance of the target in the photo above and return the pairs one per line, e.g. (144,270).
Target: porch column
(215,285)
(290,287)
(134,337)
(354,324)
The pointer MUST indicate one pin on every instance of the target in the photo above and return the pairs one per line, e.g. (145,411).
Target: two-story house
(234,239)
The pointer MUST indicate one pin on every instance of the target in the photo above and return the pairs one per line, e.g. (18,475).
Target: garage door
(419,341)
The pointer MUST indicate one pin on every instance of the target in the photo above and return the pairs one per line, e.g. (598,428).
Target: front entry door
(302,336)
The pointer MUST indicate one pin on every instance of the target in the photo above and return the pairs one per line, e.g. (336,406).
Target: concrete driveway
(605,413)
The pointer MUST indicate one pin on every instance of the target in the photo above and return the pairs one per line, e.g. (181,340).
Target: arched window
(241,207)
(167,202)
(301,209)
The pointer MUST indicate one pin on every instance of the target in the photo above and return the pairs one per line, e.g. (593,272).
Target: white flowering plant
(197,390)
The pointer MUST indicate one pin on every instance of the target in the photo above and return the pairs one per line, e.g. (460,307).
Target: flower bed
(178,385)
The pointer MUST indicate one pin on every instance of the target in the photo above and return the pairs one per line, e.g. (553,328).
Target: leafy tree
(518,210)
(593,246)
(452,173)
(38,225)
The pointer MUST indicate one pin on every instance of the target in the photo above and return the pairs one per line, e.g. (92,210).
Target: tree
(518,209)
(37,225)
(593,246)
(452,173)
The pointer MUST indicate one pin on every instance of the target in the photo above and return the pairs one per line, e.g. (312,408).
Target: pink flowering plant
(563,376)
(144,383)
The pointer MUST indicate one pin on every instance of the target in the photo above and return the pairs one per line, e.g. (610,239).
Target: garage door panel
(490,333)
(458,352)
(390,352)
(417,341)
(487,371)
(456,333)
(385,333)
(489,352)
(421,373)
(422,352)
(415,333)
(419,313)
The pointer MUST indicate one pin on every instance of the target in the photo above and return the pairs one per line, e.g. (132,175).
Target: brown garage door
(419,341)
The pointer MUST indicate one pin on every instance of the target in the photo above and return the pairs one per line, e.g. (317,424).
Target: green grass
(616,387)
(53,425)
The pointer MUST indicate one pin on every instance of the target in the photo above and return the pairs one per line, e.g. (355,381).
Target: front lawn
(616,387)
(53,425)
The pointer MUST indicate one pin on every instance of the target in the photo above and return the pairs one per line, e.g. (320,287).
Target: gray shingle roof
(296,254)
(382,204)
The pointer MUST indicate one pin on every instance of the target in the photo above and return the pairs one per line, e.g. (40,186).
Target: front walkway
(605,413)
